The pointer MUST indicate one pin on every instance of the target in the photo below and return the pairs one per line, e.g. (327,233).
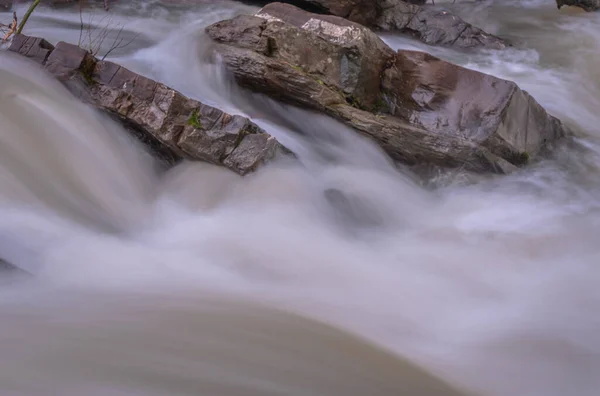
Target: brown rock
(172,125)
(486,110)
(420,109)
(330,51)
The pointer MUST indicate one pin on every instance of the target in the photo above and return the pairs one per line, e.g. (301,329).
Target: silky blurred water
(197,281)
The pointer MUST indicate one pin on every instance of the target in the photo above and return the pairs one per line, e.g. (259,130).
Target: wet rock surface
(434,25)
(588,5)
(170,124)
(418,108)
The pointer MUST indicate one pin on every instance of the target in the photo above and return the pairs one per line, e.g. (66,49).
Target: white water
(189,282)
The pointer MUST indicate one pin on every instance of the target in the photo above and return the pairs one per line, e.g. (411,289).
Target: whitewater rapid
(197,281)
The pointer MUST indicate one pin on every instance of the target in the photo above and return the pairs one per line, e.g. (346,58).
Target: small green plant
(87,69)
(26,16)
(194,120)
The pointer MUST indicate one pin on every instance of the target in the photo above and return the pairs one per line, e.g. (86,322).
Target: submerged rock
(588,5)
(11,272)
(420,109)
(6,267)
(170,124)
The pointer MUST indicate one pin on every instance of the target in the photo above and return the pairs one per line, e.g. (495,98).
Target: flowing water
(195,281)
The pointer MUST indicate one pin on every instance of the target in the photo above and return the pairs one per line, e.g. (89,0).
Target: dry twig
(12,28)
(93,34)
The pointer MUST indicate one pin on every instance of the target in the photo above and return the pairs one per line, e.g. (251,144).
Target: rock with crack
(170,124)
(420,109)
(588,5)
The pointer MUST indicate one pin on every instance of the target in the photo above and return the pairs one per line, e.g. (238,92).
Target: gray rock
(434,26)
(431,24)
(170,124)
(419,108)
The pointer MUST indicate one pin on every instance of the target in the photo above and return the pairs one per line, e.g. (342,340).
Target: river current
(195,281)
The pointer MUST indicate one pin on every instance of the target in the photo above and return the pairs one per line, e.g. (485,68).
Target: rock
(492,112)
(588,5)
(431,24)
(434,26)
(32,47)
(170,124)
(419,108)
(338,52)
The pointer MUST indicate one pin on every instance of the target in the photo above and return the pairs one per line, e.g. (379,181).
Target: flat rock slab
(171,124)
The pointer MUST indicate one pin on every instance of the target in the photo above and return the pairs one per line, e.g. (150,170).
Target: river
(196,281)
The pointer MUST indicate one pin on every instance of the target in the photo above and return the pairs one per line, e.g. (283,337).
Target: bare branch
(12,28)
(80,23)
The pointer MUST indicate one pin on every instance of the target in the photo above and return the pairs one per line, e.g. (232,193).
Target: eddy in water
(337,274)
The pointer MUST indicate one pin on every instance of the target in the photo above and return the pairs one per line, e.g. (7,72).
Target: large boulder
(340,53)
(172,125)
(431,24)
(417,107)
(588,5)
